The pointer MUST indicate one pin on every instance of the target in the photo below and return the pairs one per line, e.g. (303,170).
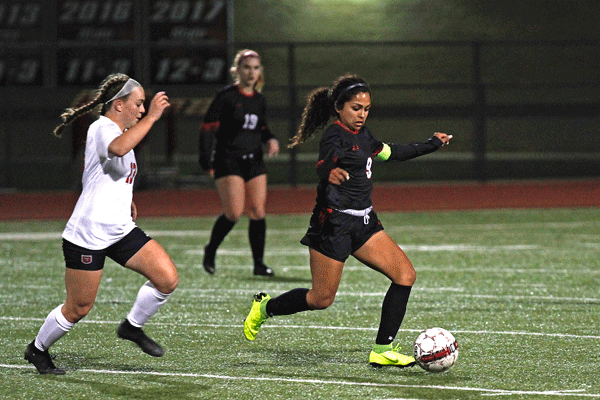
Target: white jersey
(102,215)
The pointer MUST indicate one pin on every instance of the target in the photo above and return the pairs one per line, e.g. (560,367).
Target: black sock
(288,303)
(257,230)
(392,313)
(220,230)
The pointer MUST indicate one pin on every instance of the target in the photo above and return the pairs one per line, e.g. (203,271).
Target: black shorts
(247,166)
(77,257)
(337,235)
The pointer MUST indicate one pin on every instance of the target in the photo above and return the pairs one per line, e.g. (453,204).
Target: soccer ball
(436,350)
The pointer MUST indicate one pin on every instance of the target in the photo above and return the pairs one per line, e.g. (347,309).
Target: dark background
(516,82)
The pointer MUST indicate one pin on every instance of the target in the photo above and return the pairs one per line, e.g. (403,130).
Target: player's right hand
(337,176)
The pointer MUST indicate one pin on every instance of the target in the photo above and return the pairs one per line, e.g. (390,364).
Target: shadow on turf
(353,364)
(140,387)
(73,362)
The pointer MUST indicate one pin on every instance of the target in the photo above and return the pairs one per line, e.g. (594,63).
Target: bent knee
(168,284)
(411,277)
(256,213)
(75,313)
(321,302)
(172,285)
(406,277)
(233,216)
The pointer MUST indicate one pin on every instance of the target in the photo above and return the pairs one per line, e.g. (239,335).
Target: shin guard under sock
(55,326)
(257,230)
(392,313)
(288,303)
(221,228)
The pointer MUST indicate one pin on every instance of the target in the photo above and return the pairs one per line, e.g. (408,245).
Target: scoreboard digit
(187,20)
(21,70)
(193,67)
(19,14)
(21,21)
(95,20)
(90,67)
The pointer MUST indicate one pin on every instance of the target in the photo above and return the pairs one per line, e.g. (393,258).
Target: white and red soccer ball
(436,350)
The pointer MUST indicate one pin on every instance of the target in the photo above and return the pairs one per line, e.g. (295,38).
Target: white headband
(126,89)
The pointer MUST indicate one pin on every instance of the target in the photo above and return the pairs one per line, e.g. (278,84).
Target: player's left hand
(272,147)
(443,137)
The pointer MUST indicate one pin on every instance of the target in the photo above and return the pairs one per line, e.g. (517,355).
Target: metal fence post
(293,106)
(479,115)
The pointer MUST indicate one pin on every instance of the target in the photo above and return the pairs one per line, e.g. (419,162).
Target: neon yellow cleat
(391,358)
(256,317)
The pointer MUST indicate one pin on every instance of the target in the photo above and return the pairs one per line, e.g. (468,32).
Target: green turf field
(520,290)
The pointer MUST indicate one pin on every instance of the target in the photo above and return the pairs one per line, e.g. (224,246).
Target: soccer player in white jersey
(103,222)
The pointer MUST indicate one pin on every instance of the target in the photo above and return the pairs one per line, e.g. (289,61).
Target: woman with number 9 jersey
(343,222)
(103,222)
(230,149)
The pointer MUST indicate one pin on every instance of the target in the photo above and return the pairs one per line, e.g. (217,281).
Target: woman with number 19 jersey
(102,215)
(230,151)
(234,126)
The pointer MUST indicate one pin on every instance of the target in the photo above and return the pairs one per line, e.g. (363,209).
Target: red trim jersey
(234,125)
(355,152)
(102,215)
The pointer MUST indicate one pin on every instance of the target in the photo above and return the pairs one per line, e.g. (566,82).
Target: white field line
(228,293)
(350,267)
(443,268)
(32,236)
(324,327)
(483,391)
(302,250)
(40,236)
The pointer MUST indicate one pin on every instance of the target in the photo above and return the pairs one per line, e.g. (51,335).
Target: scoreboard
(21,22)
(78,42)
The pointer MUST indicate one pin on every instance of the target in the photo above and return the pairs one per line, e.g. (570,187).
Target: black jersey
(234,125)
(355,153)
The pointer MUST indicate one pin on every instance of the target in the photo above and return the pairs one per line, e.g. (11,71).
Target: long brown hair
(323,103)
(109,87)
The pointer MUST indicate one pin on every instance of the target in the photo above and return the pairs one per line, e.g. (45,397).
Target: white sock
(55,326)
(148,301)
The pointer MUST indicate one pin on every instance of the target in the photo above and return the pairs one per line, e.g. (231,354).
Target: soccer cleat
(41,360)
(255,317)
(391,358)
(136,335)
(208,262)
(263,270)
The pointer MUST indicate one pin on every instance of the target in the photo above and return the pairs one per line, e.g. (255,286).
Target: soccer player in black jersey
(231,139)
(343,222)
